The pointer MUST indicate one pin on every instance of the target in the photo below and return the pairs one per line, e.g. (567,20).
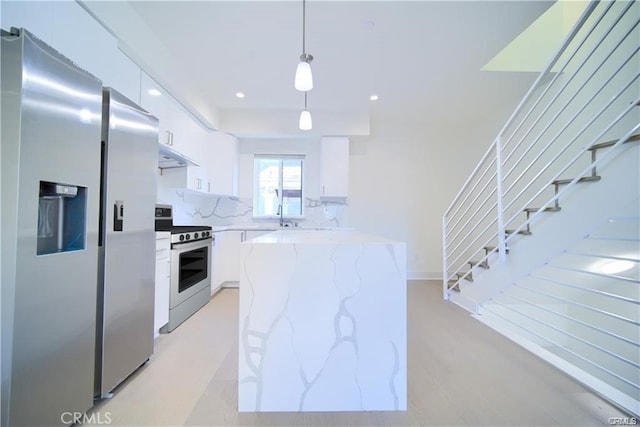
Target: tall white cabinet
(222,164)
(335,167)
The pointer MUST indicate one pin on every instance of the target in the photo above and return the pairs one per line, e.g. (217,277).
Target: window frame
(280,158)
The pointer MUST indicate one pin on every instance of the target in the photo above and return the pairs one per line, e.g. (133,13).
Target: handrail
(567,40)
(564,308)
(555,78)
(512,158)
(576,114)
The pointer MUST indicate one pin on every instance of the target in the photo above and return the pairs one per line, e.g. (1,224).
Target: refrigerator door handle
(118,215)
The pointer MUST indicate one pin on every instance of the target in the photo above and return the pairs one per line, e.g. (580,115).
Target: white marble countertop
(318,236)
(270,227)
(241,227)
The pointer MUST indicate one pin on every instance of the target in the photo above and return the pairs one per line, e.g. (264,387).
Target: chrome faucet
(280,210)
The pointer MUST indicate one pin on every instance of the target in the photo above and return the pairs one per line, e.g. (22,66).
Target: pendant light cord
(304,19)
(305,101)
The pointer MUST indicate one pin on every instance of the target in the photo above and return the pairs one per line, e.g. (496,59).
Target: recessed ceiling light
(373,97)
(154,92)
(240,95)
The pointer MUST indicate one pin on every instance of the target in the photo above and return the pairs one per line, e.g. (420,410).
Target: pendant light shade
(304,78)
(305,122)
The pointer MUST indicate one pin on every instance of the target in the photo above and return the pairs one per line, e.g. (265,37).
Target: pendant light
(304,78)
(305,122)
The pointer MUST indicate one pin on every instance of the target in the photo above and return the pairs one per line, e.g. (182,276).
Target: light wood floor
(460,373)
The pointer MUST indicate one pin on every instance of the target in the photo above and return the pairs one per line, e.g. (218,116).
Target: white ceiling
(423,58)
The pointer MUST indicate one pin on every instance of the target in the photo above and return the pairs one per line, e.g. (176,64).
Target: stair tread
(482,264)
(490,248)
(610,143)
(455,287)
(468,276)
(583,179)
(547,209)
(524,232)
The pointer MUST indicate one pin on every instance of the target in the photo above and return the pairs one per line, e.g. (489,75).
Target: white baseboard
(423,275)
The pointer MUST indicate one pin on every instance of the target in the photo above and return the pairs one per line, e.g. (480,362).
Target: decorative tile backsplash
(193,208)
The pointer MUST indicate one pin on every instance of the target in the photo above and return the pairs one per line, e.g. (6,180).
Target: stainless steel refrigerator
(51,127)
(127,241)
(78,181)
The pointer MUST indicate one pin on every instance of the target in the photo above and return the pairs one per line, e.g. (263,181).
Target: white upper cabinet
(335,167)
(197,138)
(222,163)
(215,152)
(174,121)
(190,177)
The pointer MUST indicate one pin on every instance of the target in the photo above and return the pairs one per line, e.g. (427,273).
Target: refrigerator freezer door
(130,163)
(51,128)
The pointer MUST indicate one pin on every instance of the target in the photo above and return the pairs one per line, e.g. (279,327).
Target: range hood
(169,158)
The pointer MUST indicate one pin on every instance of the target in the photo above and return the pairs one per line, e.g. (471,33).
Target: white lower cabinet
(227,261)
(163,281)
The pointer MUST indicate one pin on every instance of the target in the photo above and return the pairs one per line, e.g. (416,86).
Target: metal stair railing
(582,305)
(588,93)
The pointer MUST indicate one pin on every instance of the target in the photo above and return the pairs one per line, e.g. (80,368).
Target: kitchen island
(322,322)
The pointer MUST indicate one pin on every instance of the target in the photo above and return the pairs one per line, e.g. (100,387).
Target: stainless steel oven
(192,272)
(190,284)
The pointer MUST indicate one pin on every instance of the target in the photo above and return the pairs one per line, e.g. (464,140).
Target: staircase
(542,242)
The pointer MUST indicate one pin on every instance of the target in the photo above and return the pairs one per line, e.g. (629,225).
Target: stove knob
(205,234)
(188,236)
(181,237)
(195,236)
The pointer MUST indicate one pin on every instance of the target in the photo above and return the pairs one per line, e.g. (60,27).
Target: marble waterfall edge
(323,323)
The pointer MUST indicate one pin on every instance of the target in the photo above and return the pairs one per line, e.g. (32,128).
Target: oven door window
(193,267)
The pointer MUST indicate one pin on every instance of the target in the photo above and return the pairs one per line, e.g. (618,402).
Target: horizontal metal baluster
(573,336)
(577,304)
(581,322)
(608,371)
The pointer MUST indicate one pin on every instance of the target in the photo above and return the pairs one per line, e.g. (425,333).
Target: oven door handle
(191,245)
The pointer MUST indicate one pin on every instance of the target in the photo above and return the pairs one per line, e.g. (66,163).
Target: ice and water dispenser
(62,218)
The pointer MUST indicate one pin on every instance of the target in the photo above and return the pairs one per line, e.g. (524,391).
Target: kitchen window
(278,182)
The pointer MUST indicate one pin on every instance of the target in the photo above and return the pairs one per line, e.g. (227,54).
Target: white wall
(404,176)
